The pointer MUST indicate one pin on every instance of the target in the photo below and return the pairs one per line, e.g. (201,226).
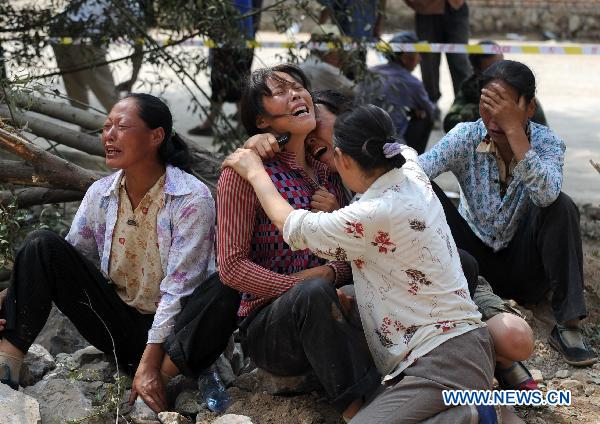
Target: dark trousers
(451,27)
(48,269)
(304,329)
(545,253)
(417,133)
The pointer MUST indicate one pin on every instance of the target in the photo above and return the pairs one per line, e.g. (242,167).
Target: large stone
(225,370)
(278,385)
(17,407)
(172,418)
(87,355)
(574,23)
(562,374)
(575,386)
(61,400)
(189,402)
(142,414)
(247,381)
(36,364)
(537,375)
(233,419)
(97,371)
(582,376)
(60,335)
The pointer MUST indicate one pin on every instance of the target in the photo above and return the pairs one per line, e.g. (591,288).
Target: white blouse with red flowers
(410,288)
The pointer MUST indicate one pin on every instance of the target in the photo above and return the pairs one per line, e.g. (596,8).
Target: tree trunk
(76,140)
(63,111)
(39,196)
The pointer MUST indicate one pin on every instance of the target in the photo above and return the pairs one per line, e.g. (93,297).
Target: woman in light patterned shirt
(128,274)
(423,330)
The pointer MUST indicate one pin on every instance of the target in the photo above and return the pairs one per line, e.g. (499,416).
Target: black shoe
(200,130)
(573,355)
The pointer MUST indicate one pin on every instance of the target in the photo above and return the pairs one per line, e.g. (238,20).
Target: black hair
(361,133)
(156,114)
(476,59)
(515,74)
(333,100)
(251,104)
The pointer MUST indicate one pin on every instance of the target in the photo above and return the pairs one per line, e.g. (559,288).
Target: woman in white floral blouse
(129,273)
(423,330)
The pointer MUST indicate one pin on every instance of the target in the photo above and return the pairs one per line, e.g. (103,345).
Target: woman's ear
(341,158)
(261,122)
(531,107)
(157,136)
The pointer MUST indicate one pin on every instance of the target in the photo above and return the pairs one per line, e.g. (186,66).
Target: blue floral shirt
(186,238)
(536,179)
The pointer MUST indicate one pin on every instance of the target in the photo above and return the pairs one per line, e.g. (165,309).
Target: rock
(277,385)
(21,408)
(98,371)
(247,381)
(596,366)
(189,402)
(237,359)
(574,23)
(37,363)
(172,418)
(581,376)
(87,355)
(60,335)
(562,374)
(574,385)
(537,375)
(225,371)
(142,414)
(233,419)
(61,400)
(589,390)
(177,385)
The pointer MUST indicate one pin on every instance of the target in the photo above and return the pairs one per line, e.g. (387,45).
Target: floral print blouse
(410,288)
(493,210)
(185,230)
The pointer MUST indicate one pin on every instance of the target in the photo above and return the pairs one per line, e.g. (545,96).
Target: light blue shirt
(186,237)
(536,179)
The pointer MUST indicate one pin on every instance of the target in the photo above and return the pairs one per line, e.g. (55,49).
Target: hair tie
(391,149)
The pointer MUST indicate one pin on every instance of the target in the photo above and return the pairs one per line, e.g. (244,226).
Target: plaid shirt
(253,258)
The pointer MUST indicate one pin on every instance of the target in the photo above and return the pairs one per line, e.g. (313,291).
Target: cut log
(48,168)
(75,139)
(39,196)
(63,111)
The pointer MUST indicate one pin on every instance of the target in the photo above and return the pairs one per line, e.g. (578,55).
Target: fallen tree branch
(59,172)
(76,140)
(63,111)
(596,165)
(39,196)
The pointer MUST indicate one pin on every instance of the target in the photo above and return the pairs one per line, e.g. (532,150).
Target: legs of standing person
(305,329)
(203,327)
(456,30)
(465,362)
(99,79)
(48,269)
(429,28)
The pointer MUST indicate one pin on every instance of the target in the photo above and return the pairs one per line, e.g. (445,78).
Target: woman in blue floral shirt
(129,273)
(513,217)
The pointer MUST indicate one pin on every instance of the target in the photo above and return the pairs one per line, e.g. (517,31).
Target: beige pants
(464,362)
(99,79)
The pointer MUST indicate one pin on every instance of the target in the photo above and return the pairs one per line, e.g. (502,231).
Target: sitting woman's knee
(513,337)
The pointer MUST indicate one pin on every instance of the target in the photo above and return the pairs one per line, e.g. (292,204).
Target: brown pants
(99,79)
(465,362)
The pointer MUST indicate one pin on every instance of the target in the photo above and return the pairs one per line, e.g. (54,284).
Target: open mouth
(319,151)
(111,151)
(300,110)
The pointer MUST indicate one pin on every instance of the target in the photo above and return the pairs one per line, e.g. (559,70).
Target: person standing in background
(442,21)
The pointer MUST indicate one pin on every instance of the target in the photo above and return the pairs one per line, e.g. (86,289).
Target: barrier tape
(580,49)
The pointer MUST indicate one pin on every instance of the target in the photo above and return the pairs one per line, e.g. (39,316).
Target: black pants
(305,329)
(450,27)
(545,253)
(48,269)
(417,133)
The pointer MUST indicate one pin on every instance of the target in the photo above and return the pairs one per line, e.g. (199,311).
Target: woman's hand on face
(243,161)
(2,298)
(265,145)
(507,113)
(323,201)
(148,384)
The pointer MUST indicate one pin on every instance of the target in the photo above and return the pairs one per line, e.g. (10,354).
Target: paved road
(568,88)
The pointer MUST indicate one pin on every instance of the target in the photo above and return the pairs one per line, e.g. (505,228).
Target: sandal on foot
(573,355)
(516,377)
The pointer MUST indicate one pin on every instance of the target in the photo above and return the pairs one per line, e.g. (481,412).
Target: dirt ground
(585,408)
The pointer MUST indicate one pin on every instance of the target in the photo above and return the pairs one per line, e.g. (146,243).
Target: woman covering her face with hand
(423,330)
